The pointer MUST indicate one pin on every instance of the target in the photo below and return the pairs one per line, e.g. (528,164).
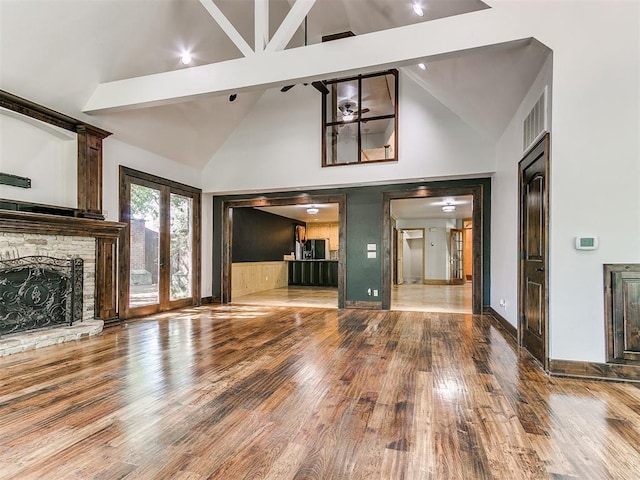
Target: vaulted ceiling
(57,52)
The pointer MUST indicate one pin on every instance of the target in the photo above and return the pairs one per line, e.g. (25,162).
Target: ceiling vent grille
(536,122)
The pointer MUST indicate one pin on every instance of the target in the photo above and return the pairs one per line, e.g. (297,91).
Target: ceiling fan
(349,110)
(318,85)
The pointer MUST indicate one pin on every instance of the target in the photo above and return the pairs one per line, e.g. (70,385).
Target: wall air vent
(535,125)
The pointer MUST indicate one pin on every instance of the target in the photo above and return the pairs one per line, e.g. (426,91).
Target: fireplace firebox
(39,292)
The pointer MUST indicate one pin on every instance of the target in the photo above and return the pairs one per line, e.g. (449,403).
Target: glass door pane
(180,253)
(456,255)
(144,246)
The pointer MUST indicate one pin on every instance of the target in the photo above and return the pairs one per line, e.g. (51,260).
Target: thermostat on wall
(586,243)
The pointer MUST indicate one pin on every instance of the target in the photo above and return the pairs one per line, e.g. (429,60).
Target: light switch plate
(371,247)
(371,254)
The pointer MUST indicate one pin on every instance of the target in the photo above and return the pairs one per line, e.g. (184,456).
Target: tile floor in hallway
(411,297)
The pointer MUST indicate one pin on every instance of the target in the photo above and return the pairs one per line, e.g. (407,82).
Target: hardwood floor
(233,392)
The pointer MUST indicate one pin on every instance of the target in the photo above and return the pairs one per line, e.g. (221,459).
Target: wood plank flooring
(235,392)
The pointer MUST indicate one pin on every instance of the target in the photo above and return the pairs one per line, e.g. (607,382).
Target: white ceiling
(327,212)
(56,52)
(431,208)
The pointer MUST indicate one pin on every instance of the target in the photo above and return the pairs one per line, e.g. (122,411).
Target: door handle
(540,269)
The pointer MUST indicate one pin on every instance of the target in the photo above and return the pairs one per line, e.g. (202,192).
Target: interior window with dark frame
(360,119)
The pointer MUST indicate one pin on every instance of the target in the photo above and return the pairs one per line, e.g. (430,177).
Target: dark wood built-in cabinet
(85,220)
(90,170)
(317,273)
(89,150)
(622,312)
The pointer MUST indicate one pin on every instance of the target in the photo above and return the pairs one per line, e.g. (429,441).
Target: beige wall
(252,277)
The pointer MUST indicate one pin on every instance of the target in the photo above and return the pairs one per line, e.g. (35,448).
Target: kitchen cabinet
(325,230)
(317,273)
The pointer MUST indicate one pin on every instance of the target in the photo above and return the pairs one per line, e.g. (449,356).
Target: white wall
(595,164)
(46,154)
(436,245)
(116,153)
(412,248)
(207,244)
(278,145)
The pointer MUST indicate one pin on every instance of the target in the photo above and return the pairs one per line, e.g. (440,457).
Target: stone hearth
(21,342)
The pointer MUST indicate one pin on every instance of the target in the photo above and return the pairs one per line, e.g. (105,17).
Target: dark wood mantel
(44,224)
(107,235)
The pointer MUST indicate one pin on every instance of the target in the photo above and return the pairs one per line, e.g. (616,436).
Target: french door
(160,254)
(456,249)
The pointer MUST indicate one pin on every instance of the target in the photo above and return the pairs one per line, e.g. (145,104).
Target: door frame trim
(227,234)
(125,176)
(543,144)
(476,191)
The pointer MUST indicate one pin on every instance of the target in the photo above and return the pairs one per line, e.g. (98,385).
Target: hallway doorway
(431,227)
(449,221)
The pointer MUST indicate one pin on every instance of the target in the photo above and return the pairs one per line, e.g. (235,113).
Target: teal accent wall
(364,225)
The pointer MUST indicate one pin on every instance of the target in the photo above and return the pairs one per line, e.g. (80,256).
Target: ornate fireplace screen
(39,292)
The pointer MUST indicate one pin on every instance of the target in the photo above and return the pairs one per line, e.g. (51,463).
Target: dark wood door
(533,306)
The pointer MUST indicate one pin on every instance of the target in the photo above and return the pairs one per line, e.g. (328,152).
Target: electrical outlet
(369,291)
(503,303)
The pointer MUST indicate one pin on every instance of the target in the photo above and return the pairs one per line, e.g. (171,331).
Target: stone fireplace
(65,252)
(19,245)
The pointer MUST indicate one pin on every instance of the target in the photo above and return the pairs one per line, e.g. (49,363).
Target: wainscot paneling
(252,277)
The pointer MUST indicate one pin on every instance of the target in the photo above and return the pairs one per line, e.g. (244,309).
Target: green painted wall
(364,225)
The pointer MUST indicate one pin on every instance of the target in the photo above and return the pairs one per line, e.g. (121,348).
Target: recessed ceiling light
(186,58)
(422,66)
(418,9)
(448,208)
